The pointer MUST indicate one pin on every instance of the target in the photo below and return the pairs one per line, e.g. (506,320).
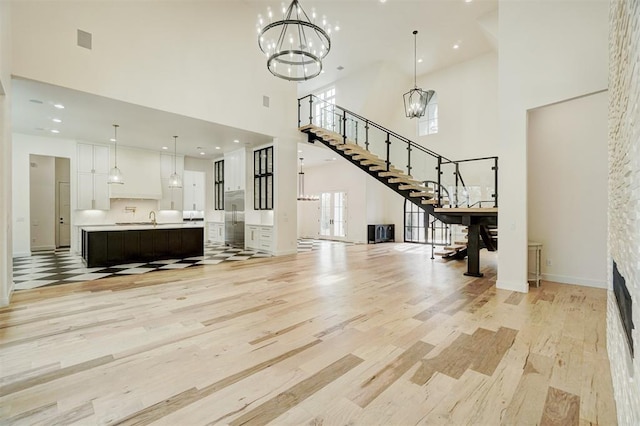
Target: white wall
(186,57)
(42,199)
(567,184)
(539,65)
(368,201)
(6,256)
(467,107)
(23,147)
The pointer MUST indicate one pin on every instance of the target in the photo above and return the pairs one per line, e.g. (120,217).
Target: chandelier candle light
(115,175)
(415,100)
(301,195)
(296,44)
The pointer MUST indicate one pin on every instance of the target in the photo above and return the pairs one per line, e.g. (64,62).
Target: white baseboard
(574,281)
(43,248)
(513,286)
(5,300)
(285,252)
(21,254)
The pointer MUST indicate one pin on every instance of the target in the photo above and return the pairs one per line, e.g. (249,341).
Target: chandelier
(301,195)
(415,100)
(296,44)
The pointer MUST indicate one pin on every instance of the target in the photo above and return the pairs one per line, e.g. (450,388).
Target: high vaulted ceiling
(370,32)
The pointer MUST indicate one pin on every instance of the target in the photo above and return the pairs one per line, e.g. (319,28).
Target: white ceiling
(370,32)
(89,118)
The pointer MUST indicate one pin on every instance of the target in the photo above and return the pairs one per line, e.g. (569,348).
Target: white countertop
(141,226)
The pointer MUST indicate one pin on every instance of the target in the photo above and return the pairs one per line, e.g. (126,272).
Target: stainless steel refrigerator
(234,219)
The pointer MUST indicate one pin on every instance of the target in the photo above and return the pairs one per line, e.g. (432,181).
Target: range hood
(141,175)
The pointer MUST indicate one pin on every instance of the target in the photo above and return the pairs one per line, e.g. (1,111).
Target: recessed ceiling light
(217,147)
(383,1)
(112,139)
(420,60)
(202,153)
(55,131)
(165,147)
(468,1)
(299,150)
(36,101)
(59,106)
(56,120)
(337,28)
(236,141)
(456,46)
(334,159)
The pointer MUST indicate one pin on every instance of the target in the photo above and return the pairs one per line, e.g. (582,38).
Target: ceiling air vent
(84,39)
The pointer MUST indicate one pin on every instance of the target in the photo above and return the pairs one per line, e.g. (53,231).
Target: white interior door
(64,215)
(333,215)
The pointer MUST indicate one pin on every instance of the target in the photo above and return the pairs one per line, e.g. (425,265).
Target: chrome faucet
(153,213)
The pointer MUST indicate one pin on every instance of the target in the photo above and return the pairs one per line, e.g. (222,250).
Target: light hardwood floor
(367,334)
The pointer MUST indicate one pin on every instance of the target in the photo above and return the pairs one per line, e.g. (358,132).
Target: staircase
(408,169)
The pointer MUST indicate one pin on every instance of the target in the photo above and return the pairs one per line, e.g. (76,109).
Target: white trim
(513,286)
(21,254)
(286,252)
(574,281)
(43,248)
(5,301)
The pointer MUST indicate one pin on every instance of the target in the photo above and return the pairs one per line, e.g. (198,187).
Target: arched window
(428,124)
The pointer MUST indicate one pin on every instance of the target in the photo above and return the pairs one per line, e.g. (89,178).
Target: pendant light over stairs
(416,99)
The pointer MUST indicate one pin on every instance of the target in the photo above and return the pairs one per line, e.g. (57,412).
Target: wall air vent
(84,39)
(265,101)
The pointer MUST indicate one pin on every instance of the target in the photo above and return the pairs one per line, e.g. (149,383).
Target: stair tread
(456,247)
(429,201)
(421,194)
(467,210)
(444,252)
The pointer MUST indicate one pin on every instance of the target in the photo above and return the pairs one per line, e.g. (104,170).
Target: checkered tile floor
(60,267)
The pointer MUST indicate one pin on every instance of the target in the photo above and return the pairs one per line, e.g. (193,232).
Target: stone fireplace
(624,207)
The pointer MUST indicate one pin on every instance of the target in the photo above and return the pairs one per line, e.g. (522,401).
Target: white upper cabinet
(234,170)
(141,174)
(193,184)
(172,198)
(93,171)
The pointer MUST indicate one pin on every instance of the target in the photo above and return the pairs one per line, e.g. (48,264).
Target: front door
(333,215)
(64,215)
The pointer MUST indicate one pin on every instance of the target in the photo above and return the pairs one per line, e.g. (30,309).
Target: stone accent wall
(624,199)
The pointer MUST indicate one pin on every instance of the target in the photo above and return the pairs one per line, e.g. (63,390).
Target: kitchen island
(109,245)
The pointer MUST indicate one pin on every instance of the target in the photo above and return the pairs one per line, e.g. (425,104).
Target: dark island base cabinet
(108,248)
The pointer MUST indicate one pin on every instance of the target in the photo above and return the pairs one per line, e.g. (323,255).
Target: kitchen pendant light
(175,180)
(415,100)
(115,175)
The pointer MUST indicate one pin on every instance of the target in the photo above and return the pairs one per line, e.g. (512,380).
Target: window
(428,124)
(414,223)
(218,185)
(325,110)
(263,179)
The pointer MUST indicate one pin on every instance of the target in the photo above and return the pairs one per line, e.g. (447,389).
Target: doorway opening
(50,202)
(333,215)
